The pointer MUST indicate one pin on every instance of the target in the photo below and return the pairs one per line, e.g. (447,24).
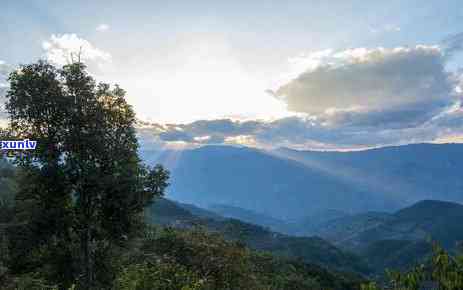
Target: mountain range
(292,185)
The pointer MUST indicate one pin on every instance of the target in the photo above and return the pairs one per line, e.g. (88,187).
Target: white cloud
(349,99)
(62,49)
(102,27)
(371,79)
(3,67)
(4,71)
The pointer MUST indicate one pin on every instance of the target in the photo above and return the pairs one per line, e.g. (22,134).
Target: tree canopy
(82,192)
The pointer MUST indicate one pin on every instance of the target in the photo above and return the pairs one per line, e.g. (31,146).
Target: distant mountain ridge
(431,220)
(415,171)
(344,228)
(423,222)
(290,184)
(253,217)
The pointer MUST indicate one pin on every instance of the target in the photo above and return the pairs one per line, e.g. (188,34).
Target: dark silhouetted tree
(82,192)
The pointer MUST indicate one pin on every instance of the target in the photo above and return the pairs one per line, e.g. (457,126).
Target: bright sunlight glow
(209,84)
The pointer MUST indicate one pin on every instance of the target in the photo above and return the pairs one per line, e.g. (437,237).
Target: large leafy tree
(82,192)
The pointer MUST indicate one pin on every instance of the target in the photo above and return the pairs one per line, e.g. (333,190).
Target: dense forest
(83,211)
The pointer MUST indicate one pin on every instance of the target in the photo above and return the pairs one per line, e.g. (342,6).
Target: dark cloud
(399,117)
(340,130)
(176,135)
(208,131)
(221,127)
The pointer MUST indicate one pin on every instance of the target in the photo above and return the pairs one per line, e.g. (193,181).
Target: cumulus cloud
(369,79)
(63,49)
(102,27)
(349,99)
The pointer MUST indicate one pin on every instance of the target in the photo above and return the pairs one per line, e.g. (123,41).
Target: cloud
(349,99)
(63,49)
(5,69)
(309,133)
(208,131)
(406,116)
(369,79)
(102,27)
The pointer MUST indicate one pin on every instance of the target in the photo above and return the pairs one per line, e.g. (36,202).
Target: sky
(329,75)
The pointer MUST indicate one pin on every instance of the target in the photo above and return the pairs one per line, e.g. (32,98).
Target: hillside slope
(438,221)
(345,228)
(309,249)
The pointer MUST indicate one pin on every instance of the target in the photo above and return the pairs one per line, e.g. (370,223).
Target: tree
(442,271)
(82,192)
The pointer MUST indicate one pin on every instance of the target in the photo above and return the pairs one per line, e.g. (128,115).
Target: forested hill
(400,239)
(310,249)
(425,220)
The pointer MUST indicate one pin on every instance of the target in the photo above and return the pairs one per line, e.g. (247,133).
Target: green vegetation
(311,250)
(81,193)
(195,259)
(73,212)
(441,272)
(396,254)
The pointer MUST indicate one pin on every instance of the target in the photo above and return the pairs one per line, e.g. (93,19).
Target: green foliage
(310,249)
(193,258)
(411,280)
(165,276)
(222,265)
(447,271)
(29,282)
(7,191)
(82,192)
(443,272)
(396,254)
